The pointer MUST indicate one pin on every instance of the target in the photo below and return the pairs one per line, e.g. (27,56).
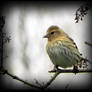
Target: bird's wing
(70,51)
(68,41)
(71,45)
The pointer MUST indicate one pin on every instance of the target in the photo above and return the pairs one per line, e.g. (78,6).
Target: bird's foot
(75,69)
(55,69)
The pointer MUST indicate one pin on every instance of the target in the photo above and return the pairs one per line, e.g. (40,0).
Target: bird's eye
(52,32)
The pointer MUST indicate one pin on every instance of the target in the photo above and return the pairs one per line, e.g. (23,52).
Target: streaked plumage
(61,48)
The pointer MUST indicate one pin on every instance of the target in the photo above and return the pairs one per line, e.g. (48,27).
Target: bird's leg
(55,68)
(80,65)
(75,69)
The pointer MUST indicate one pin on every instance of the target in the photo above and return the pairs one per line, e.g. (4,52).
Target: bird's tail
(86,60)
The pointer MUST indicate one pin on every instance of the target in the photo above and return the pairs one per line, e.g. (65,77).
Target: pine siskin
(61,48)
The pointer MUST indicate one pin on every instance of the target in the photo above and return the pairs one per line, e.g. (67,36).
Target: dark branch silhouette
(19,79)
(89,44)
(49,82)
(81,12)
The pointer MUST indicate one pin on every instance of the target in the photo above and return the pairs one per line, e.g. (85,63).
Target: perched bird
(61,49)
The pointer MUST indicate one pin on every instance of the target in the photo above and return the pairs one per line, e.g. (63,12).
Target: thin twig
(72,71)
(81,12)
(19,79)
(51,80)
(89,44)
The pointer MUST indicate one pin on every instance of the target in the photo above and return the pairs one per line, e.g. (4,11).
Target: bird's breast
(60,55)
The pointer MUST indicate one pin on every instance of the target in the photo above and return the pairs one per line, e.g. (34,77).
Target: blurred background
(27,23)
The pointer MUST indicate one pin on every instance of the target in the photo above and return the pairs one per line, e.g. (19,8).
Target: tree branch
(72,71)
(2,22)
(81,12)
(64,71)
(19,79)
(89,44)
(51,80)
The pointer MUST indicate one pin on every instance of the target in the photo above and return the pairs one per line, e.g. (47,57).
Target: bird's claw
(75,69)
(55,70)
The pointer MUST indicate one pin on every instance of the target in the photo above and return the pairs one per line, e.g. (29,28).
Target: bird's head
(53,33)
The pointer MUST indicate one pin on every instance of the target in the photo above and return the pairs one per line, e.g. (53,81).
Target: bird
(61,49)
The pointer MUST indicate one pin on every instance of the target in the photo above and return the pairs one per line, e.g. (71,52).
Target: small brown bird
(61,49)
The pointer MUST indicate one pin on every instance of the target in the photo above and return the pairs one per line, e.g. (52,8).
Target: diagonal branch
(89,44)
(51,80)
(19,79)
(64,71)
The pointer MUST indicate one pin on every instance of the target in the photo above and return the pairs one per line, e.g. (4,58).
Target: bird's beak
(46,36)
